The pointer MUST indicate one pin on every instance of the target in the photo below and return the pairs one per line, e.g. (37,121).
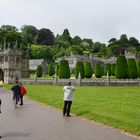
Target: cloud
(96,19)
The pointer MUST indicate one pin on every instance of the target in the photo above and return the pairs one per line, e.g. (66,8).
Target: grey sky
(96,19)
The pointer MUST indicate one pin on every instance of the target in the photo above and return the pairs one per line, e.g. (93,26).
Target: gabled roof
(33,63)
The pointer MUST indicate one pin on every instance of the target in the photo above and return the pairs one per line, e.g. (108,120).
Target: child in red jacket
(23,92)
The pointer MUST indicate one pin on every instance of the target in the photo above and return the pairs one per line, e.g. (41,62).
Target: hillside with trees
(42,43)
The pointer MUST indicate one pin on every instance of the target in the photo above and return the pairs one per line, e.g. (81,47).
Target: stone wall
(84,82)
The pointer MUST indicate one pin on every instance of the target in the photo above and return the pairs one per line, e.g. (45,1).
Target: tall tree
(98,70)
(76,40)
(76,49)
(45,37)
(107,69)
(138,66)
(79,69)
(113,69)
(132,68)
(88,41)
(64,70)
(9,28)
(28,32)
(51,70)
(133,41)
(39,71)
(66,35)
(88,70)
(121,69)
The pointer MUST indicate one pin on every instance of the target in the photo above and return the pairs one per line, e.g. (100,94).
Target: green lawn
(118,107)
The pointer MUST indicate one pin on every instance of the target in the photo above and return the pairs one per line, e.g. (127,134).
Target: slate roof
(33,63)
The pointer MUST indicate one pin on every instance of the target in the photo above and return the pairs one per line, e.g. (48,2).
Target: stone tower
(14,63)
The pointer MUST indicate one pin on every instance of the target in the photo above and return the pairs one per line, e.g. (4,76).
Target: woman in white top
(68,98)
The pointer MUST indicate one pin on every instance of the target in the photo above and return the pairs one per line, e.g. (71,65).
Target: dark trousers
(21,99)
(67,106)
(16,97)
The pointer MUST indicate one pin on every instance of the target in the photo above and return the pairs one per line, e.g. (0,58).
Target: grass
(118,107)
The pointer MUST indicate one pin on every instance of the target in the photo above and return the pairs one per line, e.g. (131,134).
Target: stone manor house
(14,63)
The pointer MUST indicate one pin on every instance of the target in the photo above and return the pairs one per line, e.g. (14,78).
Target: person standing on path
(23,92)
(68,98)
(16,93)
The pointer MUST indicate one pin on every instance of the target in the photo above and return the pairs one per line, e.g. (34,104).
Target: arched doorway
(1,75)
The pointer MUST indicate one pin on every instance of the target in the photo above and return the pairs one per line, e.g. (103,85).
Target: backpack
(23,90)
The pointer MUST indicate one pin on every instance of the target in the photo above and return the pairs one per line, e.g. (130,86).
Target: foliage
(76,40)
(138,66)
(121,69)
(133,41)
(107,69)
(9,28)
(51,70)
(64,70)
(79,69)
(88,70)
(113,69)
(42,51)
(28,32)
(57,69)
(39,71)
(76,49)
(64,44)
(61,43)
(45,37)
(10,35)
(89,41)
(63,40)
(98,70)
(132,68)
(66,35)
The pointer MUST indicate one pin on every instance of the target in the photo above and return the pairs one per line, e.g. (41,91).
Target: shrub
(132,68)
(107,69)
(98,71)
(39,71)
(88,70)
(138,66)
(51,70)
(113,69)
(57,68)
(79,69)
(64,70)
(121,69)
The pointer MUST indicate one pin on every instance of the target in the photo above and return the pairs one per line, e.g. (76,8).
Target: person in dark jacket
(16,93)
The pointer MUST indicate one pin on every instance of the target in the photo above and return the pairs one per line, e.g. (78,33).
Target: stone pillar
(79,79)
(107,79)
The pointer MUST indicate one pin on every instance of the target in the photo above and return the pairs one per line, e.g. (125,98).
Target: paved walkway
(38,122)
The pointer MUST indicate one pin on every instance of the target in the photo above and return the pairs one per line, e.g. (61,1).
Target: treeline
(42,43)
